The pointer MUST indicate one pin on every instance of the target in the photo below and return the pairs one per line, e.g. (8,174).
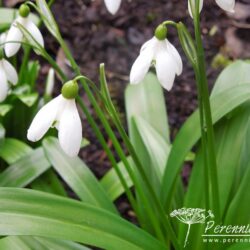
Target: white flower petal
(227,5)
(193,4)
(3,84)
(113,5)
(70,129)
(44,119)
(10,71)
(165,69)
(16,36)
(35,32)
(150,44)
(176,57)
(141,66)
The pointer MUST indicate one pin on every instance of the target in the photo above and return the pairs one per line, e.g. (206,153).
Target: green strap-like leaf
(157,147)
(77,175)
(25,170)
(147,100)
(28,212)
(235,74)
(15,243)
(112,184)
(12,150)
(49,182)
(61,244)
(37,243)
(189,134)
(2,132)
(5,108)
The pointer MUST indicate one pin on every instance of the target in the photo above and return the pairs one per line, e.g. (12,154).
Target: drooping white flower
(7,74)
(227,5)
(165,57)
(112,5)
(61,112)
(15,35)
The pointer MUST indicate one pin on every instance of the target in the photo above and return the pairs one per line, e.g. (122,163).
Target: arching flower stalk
(61,113)
(164,57)
(15,35)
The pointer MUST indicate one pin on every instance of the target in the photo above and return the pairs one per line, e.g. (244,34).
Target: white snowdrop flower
(61,112)
(112,5)
(7,74)
(163,54)
(227,5)
(15,35)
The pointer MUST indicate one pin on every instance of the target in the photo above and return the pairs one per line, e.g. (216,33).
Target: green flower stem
(98,134)
(203,140)
(208,126)
(100,138)
(123,157)
(119,150)
(109,153)
(113,114)
(27,51)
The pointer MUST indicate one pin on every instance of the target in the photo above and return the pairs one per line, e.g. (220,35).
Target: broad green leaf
(15,243)
(50,183)
(147,101)
(12,150)
(28,212)
(239,246)
(235,74)
(25,170)
(189,134)
(21,242)
(28,99)
(37,243)
(21,90)
(77,175)
(228,132)
(2,132)
(156,146)
(111,182)
(60,244)
(231,134)
(240,204)
(5,108)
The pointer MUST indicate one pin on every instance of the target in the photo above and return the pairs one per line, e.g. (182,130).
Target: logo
(191,216)
(213,233)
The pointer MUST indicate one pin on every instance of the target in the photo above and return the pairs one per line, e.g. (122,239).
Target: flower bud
(161,32)
(24,10)
(70,90)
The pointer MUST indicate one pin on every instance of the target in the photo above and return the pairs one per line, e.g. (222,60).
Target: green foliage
(73,209)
